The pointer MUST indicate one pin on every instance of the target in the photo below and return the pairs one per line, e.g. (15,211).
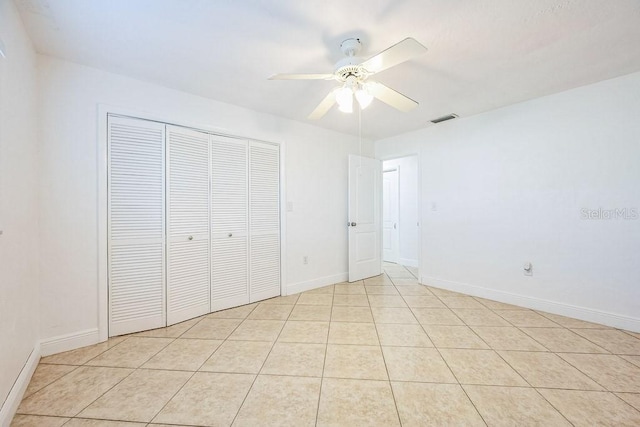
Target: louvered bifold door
(188,224)
(136,196)
(264,223)
(229,222)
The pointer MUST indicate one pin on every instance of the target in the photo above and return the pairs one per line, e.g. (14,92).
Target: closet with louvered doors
(193,223)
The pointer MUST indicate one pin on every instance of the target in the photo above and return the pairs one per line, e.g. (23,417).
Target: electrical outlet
(305,260)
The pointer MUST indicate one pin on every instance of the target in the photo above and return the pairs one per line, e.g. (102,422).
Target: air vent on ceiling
(444,118)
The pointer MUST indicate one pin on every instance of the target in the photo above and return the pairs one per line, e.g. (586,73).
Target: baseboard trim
(554,307)
(14,398)
(316,283)
(408,262)
(69,341)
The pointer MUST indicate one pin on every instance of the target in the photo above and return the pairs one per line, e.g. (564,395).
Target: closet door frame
(101,333)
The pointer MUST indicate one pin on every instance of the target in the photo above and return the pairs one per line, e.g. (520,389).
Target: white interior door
(229,223)
(135,225)
(187,224)
(365,222)
(390,217)
(264,213)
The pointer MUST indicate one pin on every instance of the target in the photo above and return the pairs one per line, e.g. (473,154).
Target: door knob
(230,234)
(353,224)
(190,237)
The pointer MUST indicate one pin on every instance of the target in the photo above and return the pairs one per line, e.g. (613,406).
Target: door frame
(415,154)
(103,111)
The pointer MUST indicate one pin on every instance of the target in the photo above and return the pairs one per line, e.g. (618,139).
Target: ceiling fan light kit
(353,73)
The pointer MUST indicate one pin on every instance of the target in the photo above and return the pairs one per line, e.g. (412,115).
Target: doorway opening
(400,215)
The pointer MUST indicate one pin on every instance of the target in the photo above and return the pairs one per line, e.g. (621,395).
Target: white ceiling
(482,54)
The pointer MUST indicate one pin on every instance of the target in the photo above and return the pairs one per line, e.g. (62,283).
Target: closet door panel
(229,222)
(136,197)
(188,277)
(264,208)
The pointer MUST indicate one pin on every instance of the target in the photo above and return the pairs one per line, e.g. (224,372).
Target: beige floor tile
(210,399)
(461,302)
(403,335)
(173,331)
(315,299)
(397,274)
(82,355)
(454,337)
(611,372)
(483,317)
(353,333)
(286,300)
(351,314)
(393,315)
(233,313)
(590,408)
(244,357)
(271,312)
(345,402)
(183,355)
(380,280)
(131,353)
(613,340)
(416,364)
(548,370)
(305,332)
(527,319)
(349,289)
(423,404)
(386,301)
(496,305)
(439,292)
(513,406)
(569,322)
(257,330)
(212,329)
(351,300)
(37,421)
(304,360)
(323,290)
(404,281)
(321,313)
(507,338)
(139,397)
(414,290)
(632,399)
(86,422)
(279,401)
(381,290)
(425,301)
(562,340)
(481,367)
(73,392)
(635,334)
(436,316)
(354,361)
(45,375)
(633,359)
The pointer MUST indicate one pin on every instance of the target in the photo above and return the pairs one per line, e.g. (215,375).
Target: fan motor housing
(349,66)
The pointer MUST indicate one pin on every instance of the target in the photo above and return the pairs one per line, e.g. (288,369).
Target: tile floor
(385,351)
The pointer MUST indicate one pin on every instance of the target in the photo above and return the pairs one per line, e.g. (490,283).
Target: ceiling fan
(353,73)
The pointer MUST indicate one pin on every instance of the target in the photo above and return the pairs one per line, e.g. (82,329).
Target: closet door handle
(190,237)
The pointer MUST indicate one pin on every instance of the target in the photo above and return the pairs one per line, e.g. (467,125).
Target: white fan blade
(398,53)
(302,77)
(391,97)
(324,106)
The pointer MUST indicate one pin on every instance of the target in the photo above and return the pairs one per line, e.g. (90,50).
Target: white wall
(508,186)
(18,205)
(316,177)
(408,230)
